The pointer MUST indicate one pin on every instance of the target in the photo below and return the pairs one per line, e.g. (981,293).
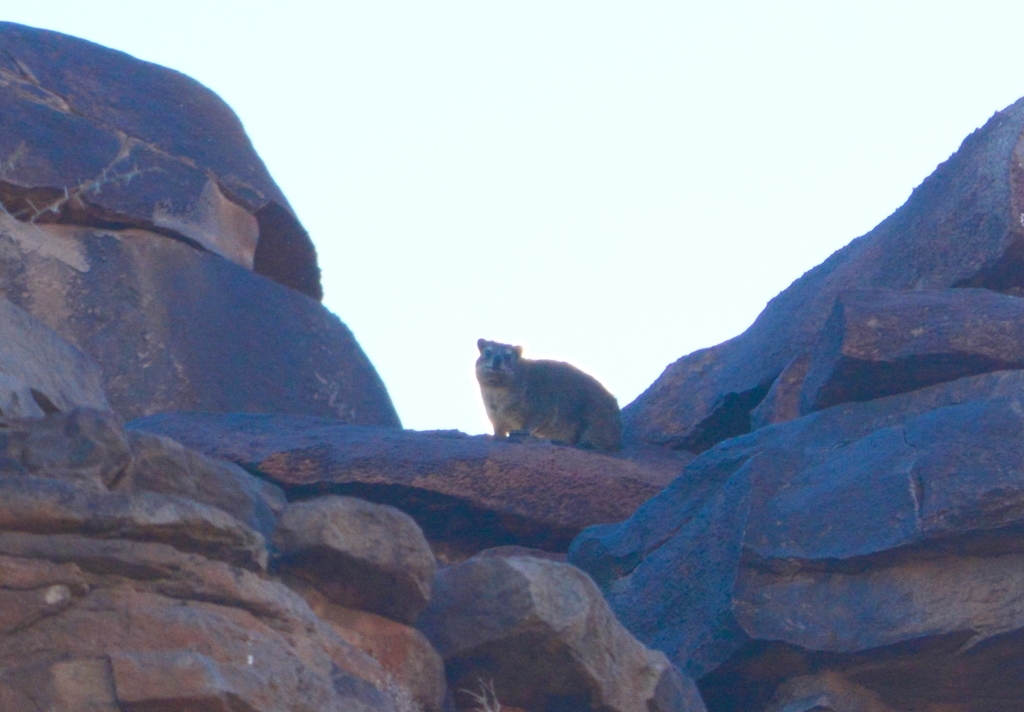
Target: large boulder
(358,554)
(176,328)
(467,493)
(40,372)
(541,634)
(880,541)
(93,136)
(137,222)
(961,227)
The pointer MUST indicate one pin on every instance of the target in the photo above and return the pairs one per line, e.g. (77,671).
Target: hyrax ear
(480,344)
(518,350)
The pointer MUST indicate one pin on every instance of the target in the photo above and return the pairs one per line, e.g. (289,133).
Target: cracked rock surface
(93,136)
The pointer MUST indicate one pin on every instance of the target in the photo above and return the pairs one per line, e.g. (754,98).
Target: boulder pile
(306,558)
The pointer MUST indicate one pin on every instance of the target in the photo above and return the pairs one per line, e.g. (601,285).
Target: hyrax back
(548,399)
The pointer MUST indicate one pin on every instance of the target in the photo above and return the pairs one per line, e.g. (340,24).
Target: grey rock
(40,372)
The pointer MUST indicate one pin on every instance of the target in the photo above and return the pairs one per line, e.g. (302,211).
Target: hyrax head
(498,363)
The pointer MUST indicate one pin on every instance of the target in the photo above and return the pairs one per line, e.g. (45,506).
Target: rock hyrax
(548,399)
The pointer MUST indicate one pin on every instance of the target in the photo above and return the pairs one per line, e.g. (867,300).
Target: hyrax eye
(487,352)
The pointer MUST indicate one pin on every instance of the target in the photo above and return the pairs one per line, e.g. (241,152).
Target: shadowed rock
(49,506)
(544,634)
(159,464)
(40,372)
(467,493)
(880,342)
(960,228)
(172,327)
(91,449)
(878,540)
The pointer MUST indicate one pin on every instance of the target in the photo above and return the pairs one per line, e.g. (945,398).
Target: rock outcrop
(854,542)
(467,493)
(961,227)
(137,222)
(146,257)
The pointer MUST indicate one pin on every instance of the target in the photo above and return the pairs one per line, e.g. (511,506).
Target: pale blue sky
(613,184)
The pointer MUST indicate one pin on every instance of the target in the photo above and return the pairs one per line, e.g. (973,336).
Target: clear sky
(612,184)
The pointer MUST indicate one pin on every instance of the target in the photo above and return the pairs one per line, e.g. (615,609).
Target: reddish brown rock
(961,227)
(467,493)
(146,624)
(40,372)
(359,554)
(92,136)
(826,692)
(544,634)
(404,652)
(175,328)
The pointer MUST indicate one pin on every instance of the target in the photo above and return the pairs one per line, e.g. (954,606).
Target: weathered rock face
(467,493)
(40,372)
(130,578)
(541,632)
(137,222)
(960,228)
(880,541)
(173,327)
(92,136)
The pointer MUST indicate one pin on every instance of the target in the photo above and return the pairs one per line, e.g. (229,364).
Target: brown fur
(547,399)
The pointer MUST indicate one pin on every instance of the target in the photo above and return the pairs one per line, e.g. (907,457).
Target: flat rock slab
(93,136)
(40,372)
(960,228)
(467,493)
(175,328)
(43,505)
(881,342)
